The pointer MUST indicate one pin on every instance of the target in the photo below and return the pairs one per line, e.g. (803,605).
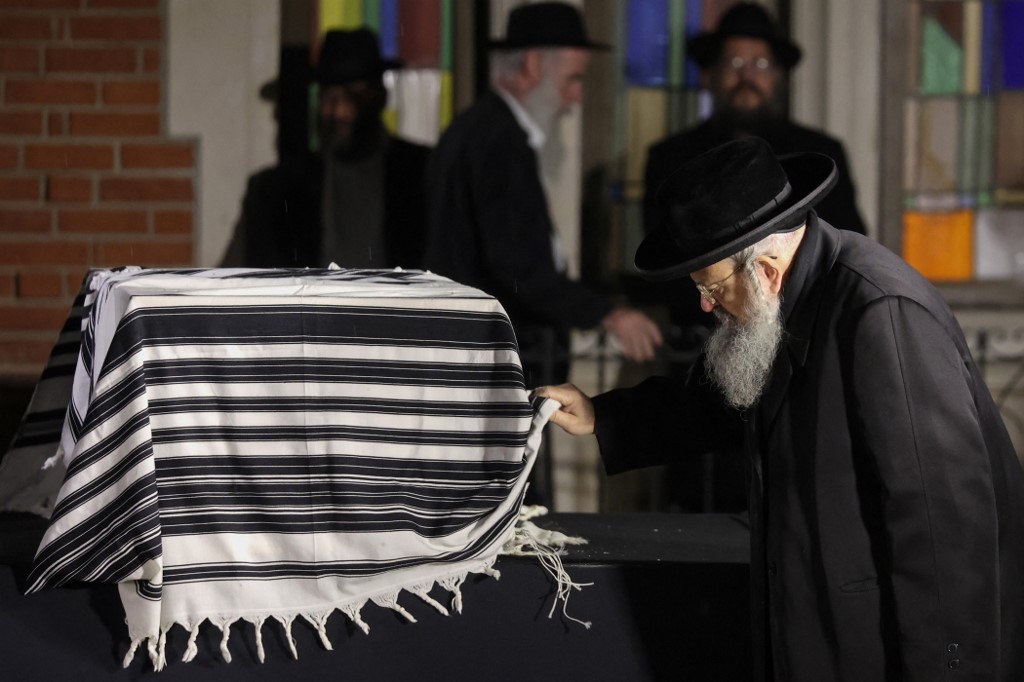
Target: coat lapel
(808,282)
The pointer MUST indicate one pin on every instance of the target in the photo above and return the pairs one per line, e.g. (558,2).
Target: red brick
(102,221)
(113,254)
(40,285)
(156,156)
(132,92)
(19,59)
(6,285)
(50,92)
(21,123)
(124,4)
(62,188)
(15,189)
(55,123)
(40,4)
(146,189)
(34,352)
(34,317)
(116,125)
(115,28)
(75,279)
(58,156)
(173,222)
(47,252)
(24,220)
(25,28)
(91,59)
(151,58)
(8,156)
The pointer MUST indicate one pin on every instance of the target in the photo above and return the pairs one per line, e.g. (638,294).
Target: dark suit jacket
(281,223)
(886,500)
(489,221)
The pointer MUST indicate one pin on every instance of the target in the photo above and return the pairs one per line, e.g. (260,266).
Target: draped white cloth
(273,444)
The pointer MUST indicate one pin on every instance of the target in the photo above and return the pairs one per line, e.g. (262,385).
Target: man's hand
(576,415)
(637,334)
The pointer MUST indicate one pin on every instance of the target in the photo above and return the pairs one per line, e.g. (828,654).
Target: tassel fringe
(527,540)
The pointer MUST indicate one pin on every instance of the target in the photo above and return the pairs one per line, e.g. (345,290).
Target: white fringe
(547,545)
(527,540)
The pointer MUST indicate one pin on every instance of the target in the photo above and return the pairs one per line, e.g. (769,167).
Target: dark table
(670,601)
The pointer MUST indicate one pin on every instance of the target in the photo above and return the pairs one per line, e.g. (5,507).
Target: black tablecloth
(669,602)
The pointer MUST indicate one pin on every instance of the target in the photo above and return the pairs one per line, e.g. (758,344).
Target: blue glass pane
(389,28)
(647,42)
(989,45)
(1013,39)
(694,24)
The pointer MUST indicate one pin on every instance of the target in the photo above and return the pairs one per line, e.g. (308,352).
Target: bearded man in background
(490,226)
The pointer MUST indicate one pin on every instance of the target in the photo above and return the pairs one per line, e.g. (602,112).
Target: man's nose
(706,305)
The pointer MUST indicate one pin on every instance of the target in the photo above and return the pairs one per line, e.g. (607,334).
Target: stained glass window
(963,178)
(419,34)
(660,95)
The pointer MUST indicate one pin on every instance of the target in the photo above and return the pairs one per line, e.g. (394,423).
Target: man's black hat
(545,24)
(746,19)
(347,56)
(727,199)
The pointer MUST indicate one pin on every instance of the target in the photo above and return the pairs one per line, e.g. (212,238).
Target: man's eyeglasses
(759,65)
(710,291)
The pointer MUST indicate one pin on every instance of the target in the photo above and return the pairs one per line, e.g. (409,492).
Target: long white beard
(740,355)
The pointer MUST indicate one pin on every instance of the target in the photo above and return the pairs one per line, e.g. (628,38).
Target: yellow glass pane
(940,245)
(340,14)
(646,120)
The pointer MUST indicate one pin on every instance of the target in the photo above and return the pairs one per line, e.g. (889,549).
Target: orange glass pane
(940,245)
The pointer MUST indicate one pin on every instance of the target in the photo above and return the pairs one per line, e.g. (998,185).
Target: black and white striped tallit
(277,444)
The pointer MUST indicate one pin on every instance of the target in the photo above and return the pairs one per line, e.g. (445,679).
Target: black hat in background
(347,56)
(727,199)
(744,19)
(545,24)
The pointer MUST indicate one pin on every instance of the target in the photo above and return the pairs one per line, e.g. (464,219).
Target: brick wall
(88,176)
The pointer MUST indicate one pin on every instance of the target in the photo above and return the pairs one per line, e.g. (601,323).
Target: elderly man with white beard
(886,500)
(490,226)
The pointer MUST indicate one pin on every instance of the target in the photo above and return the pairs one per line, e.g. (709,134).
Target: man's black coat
(281,223)
(489,222)
(886,500)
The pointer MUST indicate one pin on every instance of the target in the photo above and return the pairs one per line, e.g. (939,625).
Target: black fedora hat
(727,199)
(545,24)
(347,56)
(744,19)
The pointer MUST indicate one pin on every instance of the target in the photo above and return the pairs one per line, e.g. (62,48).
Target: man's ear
(773,273)
(533,68)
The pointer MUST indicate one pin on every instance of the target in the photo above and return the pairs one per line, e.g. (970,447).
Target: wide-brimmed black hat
(746,19)
(347,56)
(545,24)
(727,199)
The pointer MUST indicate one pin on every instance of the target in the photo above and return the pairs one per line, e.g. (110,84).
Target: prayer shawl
(273,444)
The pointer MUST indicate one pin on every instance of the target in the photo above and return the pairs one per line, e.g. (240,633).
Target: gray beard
(740,355)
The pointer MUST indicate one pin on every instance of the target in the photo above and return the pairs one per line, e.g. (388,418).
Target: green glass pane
(371,14)
(985,143)
(677,41)
(940,130)
(969,149)
(941,59)
(911,130)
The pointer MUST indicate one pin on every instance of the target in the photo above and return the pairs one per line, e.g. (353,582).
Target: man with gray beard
(490,226)
(886,500)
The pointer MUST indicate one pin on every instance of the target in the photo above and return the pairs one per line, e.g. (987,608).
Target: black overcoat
(490,227)
(281,221)
(886,500)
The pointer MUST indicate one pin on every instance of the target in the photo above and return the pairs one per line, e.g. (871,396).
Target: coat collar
(801,303)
